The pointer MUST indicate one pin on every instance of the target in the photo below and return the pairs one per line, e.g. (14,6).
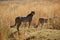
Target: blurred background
(10,9)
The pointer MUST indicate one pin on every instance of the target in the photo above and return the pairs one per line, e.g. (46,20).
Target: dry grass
(10,10)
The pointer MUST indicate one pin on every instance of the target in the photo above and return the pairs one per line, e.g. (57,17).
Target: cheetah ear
(33,12)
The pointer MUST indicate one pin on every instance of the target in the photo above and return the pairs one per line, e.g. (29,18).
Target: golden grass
(10,10)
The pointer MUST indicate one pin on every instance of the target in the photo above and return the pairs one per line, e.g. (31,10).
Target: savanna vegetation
(9,10)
